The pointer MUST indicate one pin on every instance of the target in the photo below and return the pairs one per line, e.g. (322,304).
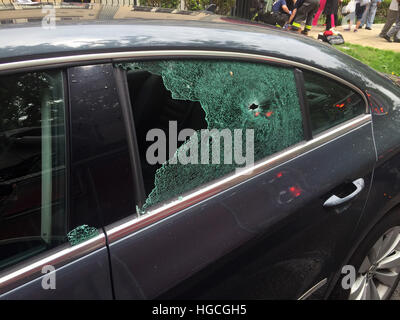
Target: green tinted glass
(231,96)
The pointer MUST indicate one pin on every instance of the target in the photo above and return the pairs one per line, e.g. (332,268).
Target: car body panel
(260,232)
(85,278)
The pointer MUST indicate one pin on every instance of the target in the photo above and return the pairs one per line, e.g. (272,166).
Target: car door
(273,231)
(46,252)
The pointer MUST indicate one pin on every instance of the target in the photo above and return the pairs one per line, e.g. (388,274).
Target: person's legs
(319,11)
(345,19)
(359,13)
(365,15)
(301,15)
(267,17)
(351,22)
(328,22)
(352,18)
(372,13)
(281,19)
(332,21)
(397,37)
(348,19)
(310,13)
(395,29)
(390,19)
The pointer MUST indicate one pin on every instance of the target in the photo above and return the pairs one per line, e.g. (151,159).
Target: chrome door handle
(334,200)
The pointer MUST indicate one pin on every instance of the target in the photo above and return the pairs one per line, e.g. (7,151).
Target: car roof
(117,28)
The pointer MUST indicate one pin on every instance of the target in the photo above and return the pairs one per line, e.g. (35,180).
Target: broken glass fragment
(81,234)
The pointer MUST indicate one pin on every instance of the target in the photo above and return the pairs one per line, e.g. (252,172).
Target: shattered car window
(254,108)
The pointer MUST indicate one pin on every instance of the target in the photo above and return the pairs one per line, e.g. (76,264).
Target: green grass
(382,60)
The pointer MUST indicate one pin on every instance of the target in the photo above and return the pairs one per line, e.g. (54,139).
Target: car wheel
(377,263)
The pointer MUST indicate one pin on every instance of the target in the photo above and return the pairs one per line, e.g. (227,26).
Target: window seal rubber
(305,110)
(126,107)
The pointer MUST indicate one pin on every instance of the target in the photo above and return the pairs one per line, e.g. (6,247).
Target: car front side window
(32,165)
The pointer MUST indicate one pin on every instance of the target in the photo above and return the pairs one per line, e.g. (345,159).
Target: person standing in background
(395,31)
(360,8)
(331,10)
(321,8)
(348,12)
(391,17)
(369,14)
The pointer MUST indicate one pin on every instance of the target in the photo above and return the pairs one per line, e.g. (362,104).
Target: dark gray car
(110,190)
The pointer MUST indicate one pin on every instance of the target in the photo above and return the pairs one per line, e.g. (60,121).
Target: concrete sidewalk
(368,38)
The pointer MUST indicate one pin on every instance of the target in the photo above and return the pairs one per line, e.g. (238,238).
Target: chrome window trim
(14,276)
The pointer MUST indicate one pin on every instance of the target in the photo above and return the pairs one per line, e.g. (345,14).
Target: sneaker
(368,28)
(387,38)
(397,40)
(355,30)
(333,30)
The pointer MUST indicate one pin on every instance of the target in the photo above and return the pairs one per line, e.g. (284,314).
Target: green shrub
(223,6)
(194,5)
(160,3)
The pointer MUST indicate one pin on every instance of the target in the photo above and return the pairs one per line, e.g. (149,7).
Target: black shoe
(397,40)
(305,32)
(360,27)
(387,38)
(368,28)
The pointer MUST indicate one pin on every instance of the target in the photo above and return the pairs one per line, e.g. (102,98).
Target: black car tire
(389,221)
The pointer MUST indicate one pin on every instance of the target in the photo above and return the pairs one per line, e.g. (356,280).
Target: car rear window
(330,102)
